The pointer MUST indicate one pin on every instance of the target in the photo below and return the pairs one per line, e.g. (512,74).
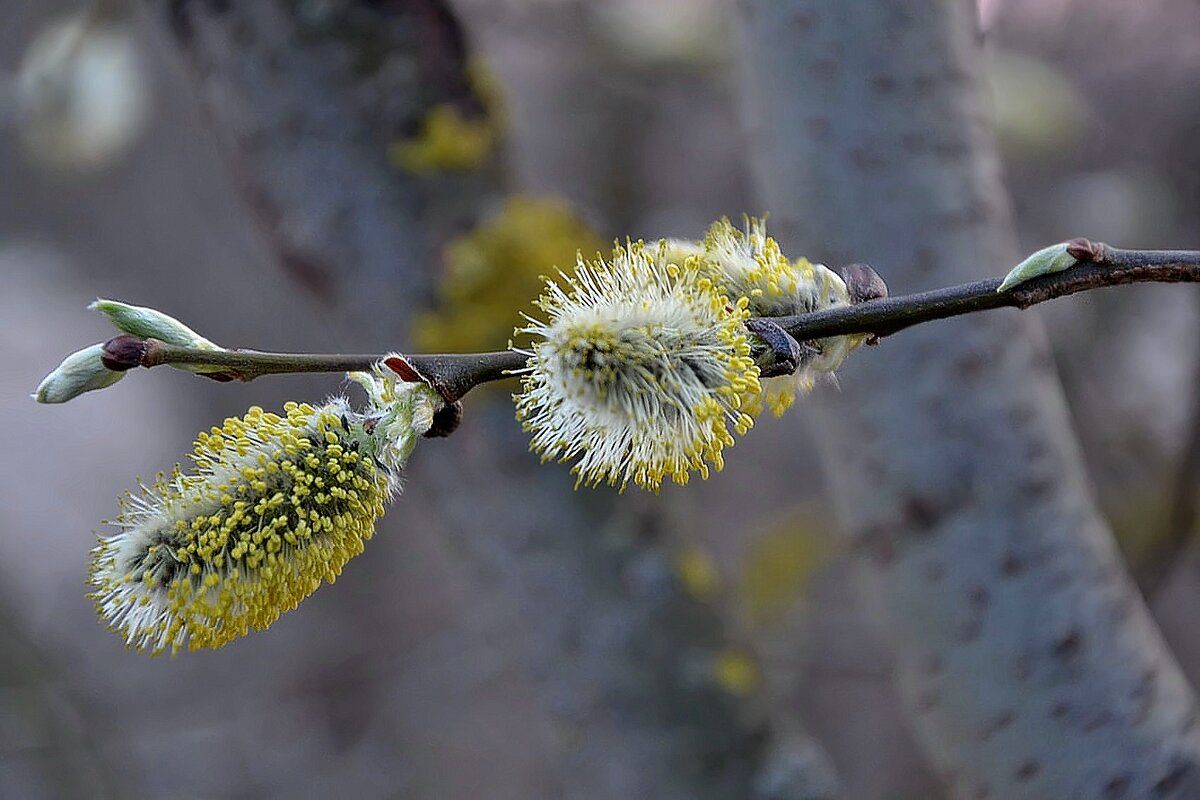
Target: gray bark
(45,749)
(1025,657)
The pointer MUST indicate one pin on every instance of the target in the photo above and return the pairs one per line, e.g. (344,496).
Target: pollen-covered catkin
(641,370)
(276,505)
(751,265)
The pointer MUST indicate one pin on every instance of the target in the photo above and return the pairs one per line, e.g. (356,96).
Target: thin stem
(1112,267)
(247,365)
(455,375)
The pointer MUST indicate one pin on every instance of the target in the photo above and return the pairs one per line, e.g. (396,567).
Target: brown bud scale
(123,352)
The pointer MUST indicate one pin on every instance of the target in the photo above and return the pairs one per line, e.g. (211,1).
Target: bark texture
(1025,657)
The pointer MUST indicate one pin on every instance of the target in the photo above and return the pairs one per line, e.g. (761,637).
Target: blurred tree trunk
(1025,657)
(46,750)
(548,646)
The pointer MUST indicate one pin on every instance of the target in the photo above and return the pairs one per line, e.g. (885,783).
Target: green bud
(1046,261)
(80,372)
(149,323)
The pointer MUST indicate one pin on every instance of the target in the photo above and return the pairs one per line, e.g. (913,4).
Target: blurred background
(329,175)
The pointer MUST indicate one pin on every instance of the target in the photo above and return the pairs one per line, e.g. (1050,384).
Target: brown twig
(455,375)
(1109,267)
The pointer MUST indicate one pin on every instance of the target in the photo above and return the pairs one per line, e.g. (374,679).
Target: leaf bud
(150,323)
(82,371)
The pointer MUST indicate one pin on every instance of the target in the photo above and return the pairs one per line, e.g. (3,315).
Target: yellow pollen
(212,567)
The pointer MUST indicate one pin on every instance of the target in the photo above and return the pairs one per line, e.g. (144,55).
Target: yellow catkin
(755,273)
(640,371)
(277,504)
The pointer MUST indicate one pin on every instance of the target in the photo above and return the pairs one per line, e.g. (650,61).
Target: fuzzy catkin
(640,372)
(276,505)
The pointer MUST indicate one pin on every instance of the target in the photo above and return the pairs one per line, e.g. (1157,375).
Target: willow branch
(455,375)
(1108,266)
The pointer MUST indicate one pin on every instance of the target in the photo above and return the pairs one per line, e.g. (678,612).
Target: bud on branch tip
(82,371)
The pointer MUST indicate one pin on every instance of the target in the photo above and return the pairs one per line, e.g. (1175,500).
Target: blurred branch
(456,374)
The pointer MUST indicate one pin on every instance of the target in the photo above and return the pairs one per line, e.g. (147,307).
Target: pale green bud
(80,372)
(1046,261)
(149,323)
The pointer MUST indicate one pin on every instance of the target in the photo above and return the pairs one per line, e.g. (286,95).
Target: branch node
(124,352)
(863,283)
(1087,251)
(786,353)
(445,420)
